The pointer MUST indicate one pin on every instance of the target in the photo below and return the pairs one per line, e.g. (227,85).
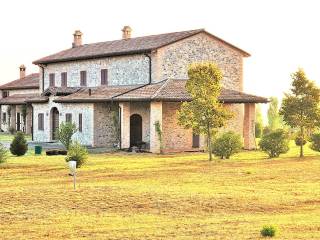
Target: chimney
(22,71)
(126,32)
(77,39)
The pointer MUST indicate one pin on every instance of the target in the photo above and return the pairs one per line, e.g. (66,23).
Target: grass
(5,137)
(145,196)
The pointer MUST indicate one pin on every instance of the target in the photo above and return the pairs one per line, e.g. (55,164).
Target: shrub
(77,153)
(12,130)
(226,145)
(266,130)
(300,141)
(268,231)
(315,142)
(65,132)
(3,154)
(258,129)
(19,145)
(275,143)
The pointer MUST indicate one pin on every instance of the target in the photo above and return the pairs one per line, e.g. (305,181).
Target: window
(40,121)
(80,122)
(195,141)
(68,117)
(51,80)
(5,94)
(64,79)
(4,117)
(83,78)
(104,76)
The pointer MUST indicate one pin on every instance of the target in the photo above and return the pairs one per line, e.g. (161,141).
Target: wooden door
(55,123)
(135,130)
(18,121)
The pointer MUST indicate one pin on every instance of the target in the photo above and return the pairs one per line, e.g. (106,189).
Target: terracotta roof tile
(18,99)
(169,90)
(30,81)
(124,47)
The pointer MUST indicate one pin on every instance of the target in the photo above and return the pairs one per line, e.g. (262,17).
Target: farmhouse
(115,91)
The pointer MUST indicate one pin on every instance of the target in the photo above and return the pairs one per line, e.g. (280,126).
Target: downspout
(150,67)
(32,122)
(42,68)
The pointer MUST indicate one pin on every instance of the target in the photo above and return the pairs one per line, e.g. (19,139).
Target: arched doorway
(135,130)
(54,123)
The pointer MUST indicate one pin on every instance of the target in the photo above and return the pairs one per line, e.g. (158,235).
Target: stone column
(125,124)
(28,120)
(155,115)
(13,117)
(249,126)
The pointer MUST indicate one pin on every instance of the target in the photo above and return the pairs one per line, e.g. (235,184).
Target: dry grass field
(144,196)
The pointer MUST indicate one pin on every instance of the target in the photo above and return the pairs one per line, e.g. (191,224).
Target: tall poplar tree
(300,107)
(204,113)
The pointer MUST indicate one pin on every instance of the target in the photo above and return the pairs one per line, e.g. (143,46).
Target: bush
(300,141)
(226,145)
(12,130)
(258,129)
(315,142)
(19,145)
(65,132)
(268,231)
(3,154)
(77,153)
(275,143)
(266,130)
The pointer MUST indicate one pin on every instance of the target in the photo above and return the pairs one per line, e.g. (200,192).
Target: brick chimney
(77,39)
(22,71)
(126,32)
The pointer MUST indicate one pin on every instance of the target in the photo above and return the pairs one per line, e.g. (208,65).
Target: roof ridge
(160,88)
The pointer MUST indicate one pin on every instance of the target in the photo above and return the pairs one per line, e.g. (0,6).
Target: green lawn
(145,196)
(5,137)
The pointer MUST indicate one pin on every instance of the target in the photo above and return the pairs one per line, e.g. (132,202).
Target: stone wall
(172,61)
(235,124)
(126,70)
(85,137)
(175,137)
(104,130)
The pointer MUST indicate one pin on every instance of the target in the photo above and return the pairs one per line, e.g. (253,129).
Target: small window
(104,76)
(80,122)
(68,117)
(5,94)
(51,80)
(83,78)
(4,117)
(40,121)
(64,79)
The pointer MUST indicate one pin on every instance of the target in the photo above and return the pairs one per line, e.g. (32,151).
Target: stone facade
(86,109)
(127,70)
(172,61)
(104,130)
(249,126)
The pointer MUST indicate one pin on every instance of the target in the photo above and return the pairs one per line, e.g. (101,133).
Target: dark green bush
(77,153)
(3,154)
(275,143)
(266,130)
(268,231)
(19,145)
(226,145)
(258,129)
(315,142)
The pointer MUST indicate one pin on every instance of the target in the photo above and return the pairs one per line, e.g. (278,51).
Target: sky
(281,36)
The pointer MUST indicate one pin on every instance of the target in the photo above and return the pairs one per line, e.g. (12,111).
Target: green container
(37,149)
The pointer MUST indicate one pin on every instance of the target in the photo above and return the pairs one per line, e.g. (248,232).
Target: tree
(65,132)
(204,113)
(273,114)
(24,113)
(19,145)
(300,108)
(259,122)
